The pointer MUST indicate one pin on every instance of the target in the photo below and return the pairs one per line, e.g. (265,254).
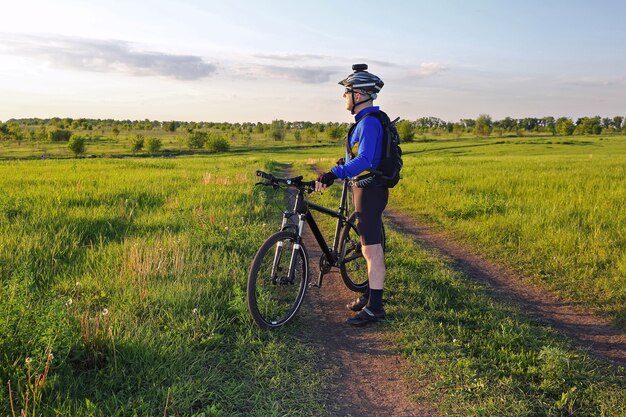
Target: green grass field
(131,272)
(554,209)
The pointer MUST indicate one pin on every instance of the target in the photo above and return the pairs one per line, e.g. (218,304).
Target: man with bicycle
(364,153)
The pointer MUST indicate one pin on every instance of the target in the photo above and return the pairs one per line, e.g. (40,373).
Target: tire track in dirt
(591,332)
(364,368)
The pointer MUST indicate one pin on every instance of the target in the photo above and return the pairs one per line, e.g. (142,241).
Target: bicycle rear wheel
(353,266)
(274,295)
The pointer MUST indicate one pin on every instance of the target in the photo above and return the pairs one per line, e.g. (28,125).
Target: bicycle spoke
(274,295)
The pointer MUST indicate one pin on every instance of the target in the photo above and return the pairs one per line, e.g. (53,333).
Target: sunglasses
(350,90)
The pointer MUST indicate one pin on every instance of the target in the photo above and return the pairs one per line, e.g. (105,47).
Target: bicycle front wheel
(277,280)
(353,266)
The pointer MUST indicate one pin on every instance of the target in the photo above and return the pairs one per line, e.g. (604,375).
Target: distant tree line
(483,125)
(61,129)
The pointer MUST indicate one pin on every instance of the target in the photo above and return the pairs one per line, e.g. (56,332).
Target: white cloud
(428,69)
(594,81)
(291,57)
(304,75)
(106,56)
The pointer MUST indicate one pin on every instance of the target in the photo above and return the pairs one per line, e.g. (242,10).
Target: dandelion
(105,311)
(226,228)
(195,311)
(77,284)
(28,361)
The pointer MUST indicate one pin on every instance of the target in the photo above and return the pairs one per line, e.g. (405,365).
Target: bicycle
(279,274)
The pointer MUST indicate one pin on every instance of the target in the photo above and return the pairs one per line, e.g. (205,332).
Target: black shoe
(358,304)
(366,316)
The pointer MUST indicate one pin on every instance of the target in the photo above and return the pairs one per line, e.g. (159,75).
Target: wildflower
(195,311)
(50,356)
(105,311)
(69,302)
(77,284)
(28,361)
(226,228)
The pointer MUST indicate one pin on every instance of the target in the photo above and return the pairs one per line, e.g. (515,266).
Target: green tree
(170,126)
(77,145)
(549,124)
(310,133)
(617,123)
(218,144)
(564,126)
(153,145)
(42,133)
(588,126)
(137,143)
(297,135)
(406,130)
(483,126)
(197,140)
(16,132)
(277,129)
(59,135)
(334,132)
(508,124)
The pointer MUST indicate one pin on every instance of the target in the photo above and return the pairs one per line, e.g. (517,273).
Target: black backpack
(387,174)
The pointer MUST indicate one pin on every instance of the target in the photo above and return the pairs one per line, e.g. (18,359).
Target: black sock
(375,302)
(366,295)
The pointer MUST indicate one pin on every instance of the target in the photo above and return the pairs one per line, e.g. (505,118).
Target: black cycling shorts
(369,203)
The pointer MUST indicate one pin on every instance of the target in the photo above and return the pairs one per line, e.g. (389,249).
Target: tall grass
(554,210)
(469,353)
(476,356)
(132,273)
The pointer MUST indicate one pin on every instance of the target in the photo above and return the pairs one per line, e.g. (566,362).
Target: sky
(260,60)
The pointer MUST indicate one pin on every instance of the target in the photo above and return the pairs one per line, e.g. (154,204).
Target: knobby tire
(274,299)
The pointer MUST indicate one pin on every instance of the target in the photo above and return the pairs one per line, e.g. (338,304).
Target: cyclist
(364,152)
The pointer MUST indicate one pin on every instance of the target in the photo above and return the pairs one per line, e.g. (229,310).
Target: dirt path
(365,372)
(589,331)
(364,368)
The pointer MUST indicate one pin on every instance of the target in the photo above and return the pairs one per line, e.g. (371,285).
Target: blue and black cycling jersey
(366,142)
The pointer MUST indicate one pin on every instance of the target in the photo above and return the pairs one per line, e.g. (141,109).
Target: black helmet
(360,79)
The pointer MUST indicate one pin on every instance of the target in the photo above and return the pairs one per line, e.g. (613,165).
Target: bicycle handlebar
(292,182)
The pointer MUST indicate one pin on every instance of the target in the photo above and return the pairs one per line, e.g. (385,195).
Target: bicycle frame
(302,209)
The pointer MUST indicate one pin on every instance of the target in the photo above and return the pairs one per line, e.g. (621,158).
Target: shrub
(77,145)
(335,132)
(59,135)
(153,145)
(406,130)
(197,140)
(277,130)
(565,126)
(483,126)
(137,143)
(218,144)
